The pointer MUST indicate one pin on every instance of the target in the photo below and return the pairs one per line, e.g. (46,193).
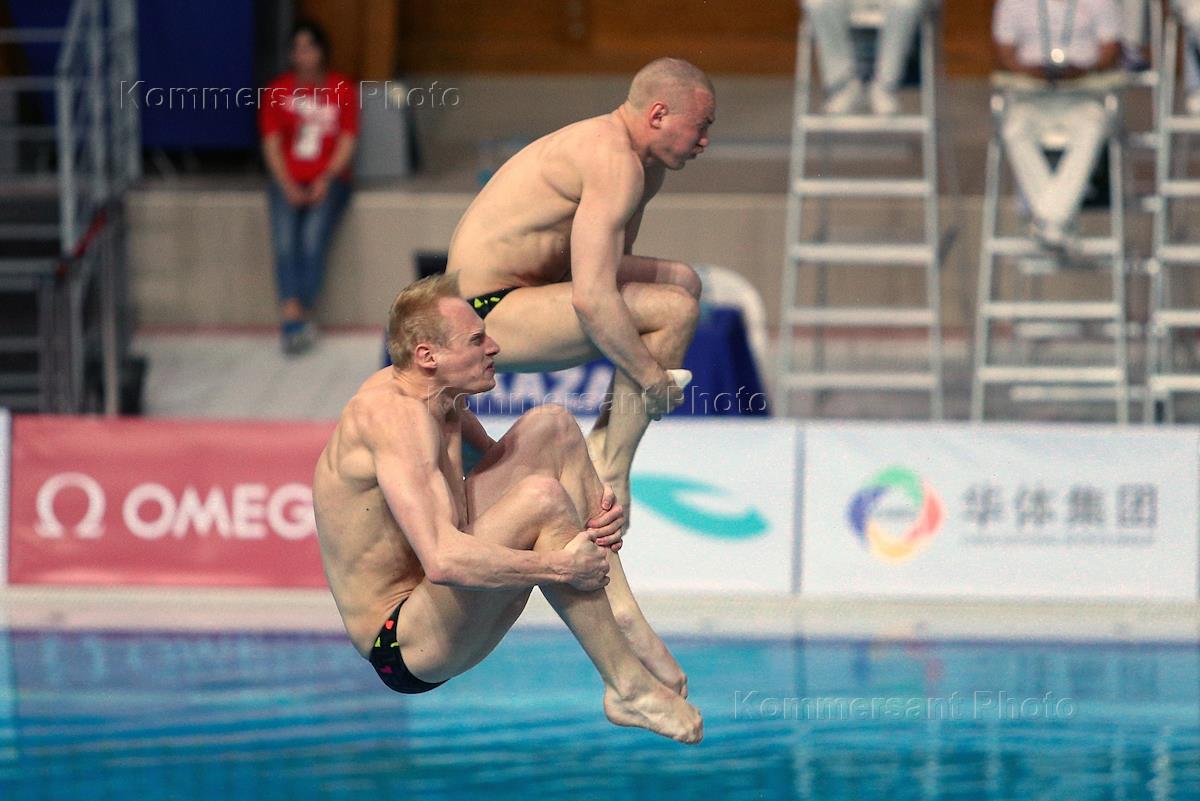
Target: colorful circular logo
(896,515)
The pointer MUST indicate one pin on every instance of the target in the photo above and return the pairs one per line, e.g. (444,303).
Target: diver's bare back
(517,231)
(369,563)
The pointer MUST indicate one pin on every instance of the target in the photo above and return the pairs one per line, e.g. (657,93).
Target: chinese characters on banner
(1125,514)
(999,511)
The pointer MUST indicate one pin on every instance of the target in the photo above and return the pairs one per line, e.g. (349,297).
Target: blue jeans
(300,236)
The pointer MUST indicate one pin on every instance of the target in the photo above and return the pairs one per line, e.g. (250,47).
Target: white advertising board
(999,511)
(713,506)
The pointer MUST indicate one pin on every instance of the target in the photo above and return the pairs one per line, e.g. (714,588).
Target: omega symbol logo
(90,527)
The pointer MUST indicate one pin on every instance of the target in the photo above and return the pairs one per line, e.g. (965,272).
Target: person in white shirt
(844,90)
(1055,40)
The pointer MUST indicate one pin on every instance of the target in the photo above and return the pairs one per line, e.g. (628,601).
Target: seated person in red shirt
(309,123)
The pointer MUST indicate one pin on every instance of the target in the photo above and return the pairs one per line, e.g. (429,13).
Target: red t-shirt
(309,120)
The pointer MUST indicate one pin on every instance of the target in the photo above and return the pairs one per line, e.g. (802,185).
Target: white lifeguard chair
(1008,259)
(807,248)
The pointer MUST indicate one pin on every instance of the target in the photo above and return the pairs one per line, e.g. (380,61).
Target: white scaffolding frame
(802,251)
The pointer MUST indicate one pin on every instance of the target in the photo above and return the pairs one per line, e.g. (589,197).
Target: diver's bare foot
(656,709)
(654,654)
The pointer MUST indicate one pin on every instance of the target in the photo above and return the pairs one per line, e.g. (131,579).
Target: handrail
(71,35)
(98,157)
(31,35)
(94,230)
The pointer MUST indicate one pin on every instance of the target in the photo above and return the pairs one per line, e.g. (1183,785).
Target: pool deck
(725,616)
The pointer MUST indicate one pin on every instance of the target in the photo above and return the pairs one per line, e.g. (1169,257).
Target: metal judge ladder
(1168,318)
(995,308)
(810,250)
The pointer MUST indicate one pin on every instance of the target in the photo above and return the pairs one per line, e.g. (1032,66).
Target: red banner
(136,501)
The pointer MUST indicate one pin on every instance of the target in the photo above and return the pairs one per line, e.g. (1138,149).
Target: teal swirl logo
(674,498)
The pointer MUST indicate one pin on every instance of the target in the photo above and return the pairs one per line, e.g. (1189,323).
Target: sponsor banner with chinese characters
(1000,511)
(712,506)
(164,502)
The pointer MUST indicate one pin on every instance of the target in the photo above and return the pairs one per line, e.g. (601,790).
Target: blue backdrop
(186,47)
(207,45)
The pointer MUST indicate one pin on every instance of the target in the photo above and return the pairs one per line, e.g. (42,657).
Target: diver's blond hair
(414,317)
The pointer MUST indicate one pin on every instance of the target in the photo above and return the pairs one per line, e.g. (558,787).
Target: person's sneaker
(1135,58)
(1073,254)
(1048,235)
(309,334)
(884,101)
(1051,236)
(846,100)
(294,338)
(1192,103)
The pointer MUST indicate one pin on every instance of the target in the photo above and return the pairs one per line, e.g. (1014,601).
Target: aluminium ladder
(1164,379)
(807,249)
(1056,382)
(1148,79)
(62,175)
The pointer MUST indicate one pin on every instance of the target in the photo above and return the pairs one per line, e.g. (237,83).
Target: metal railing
(99,157)
(98,140)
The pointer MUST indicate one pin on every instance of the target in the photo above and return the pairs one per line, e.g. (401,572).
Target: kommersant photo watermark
(980,705)
(389,94)
(514,402)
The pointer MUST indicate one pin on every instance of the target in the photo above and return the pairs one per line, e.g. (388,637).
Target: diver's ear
(658,110)
(423,356)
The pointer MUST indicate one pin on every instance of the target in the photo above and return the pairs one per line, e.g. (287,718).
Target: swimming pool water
(148,716)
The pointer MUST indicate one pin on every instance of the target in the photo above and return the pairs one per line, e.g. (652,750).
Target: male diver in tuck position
(545,254)
(430,569)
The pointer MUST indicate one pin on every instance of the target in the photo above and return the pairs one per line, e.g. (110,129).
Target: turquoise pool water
(246,716)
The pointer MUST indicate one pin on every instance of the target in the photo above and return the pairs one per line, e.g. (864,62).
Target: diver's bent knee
(684,306)
(553,421)
(688,278)
(551,413)
(545,504)
(548,496)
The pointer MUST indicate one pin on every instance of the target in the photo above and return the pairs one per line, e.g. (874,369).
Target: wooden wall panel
(362,34)
(572,36)
(968,36)
(371,37)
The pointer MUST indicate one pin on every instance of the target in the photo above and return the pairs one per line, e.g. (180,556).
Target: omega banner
(163,502)
(1000,511)
(5,461)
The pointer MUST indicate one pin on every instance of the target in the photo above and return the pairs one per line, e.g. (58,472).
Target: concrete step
(18,319)
(29,249)
(810,380)
(29,210)
(910,255)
